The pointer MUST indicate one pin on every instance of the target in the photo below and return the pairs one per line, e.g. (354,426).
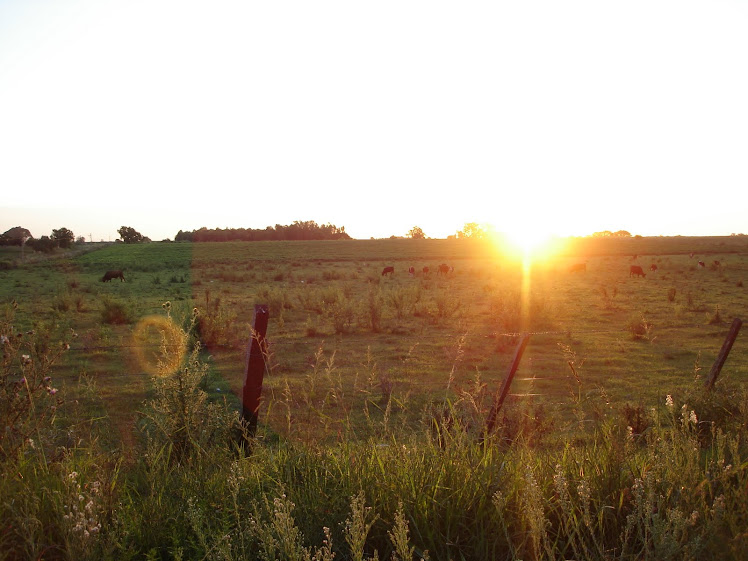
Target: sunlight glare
(529,241)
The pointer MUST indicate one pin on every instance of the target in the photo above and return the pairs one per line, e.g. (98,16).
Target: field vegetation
(122,438)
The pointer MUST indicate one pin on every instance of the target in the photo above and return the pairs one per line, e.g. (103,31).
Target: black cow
(109,275)
(636,270)
(388,271)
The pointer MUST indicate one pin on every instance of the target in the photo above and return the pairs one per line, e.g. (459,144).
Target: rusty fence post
(255,369)
(501,396)
(724,351)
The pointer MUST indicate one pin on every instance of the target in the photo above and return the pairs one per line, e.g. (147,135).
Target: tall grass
(674,490)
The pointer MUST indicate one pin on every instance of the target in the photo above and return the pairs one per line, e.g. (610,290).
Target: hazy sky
(558,116)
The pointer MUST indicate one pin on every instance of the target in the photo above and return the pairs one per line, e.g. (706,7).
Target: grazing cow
(653,267)
(425,270)
(701,264)
(443,269)
(388,271)
(578,268)
(717,264)
(412,271)
(636,270)
(109,275)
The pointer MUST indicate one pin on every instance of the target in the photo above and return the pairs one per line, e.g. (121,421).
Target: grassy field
(336,324)
(359,361)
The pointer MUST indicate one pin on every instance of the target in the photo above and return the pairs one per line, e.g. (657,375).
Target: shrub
(114,312)
(640,328)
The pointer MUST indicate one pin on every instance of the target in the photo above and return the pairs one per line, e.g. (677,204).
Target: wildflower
(718,507)
(692,417)
(669,401)
(4,339)
(47,379)
(52,391)
(25,359)
(66,346)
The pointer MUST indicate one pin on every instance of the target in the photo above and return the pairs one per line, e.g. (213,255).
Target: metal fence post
(724,351)
(501,396)
(255,369)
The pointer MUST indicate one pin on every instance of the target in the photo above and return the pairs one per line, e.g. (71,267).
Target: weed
(115,312)
(640,328)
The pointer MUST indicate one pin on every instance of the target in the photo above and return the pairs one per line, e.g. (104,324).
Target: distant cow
(388,271)
(411,271)
(443,269)
(636,270)
(691,254)
(578,268)
(717,264)
(425,270)
(109,275)
(653,267)
(701,264)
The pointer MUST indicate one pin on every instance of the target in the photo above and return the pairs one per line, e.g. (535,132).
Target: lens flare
(159,345)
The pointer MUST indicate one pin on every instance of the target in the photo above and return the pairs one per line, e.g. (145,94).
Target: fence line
(509,334)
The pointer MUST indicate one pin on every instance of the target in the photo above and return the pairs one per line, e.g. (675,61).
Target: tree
(45,244)
(416,233)
(472,230)
(130,235)
(63,237)
(16,236)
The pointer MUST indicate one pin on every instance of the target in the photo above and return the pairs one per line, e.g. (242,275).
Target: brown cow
(653,267)
(636,270)
(411,271)
(701,264)
(388,271)
(109,275)
(443,269)
(578,268)
(425,270)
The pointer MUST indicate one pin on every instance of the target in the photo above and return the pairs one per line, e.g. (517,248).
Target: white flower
(669,401)
(692,418)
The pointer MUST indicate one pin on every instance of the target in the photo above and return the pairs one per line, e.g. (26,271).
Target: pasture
(367,371)
(337,326)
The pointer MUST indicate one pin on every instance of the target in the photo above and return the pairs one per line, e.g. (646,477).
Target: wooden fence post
(255,369)
(724,351)
(501,396)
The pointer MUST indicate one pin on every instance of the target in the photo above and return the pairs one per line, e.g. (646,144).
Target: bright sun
(529,241)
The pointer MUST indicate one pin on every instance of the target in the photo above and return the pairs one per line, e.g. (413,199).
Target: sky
(550,117)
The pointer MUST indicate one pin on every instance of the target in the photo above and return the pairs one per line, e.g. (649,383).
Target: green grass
(382,385)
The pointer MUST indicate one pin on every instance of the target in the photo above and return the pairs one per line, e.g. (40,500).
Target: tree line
(20,236)
(299,230)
